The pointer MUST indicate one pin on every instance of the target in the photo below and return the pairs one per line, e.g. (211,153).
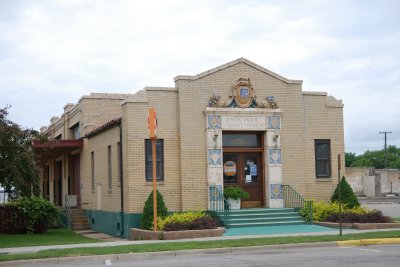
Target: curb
(368,242)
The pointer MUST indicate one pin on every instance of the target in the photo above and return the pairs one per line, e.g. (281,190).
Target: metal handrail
(292,199)
(220,204)
(68,212)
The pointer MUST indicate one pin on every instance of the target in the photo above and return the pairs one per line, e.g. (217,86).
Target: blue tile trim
(274,156)
(214,122)
(274,122)
(214,157)
(276,191)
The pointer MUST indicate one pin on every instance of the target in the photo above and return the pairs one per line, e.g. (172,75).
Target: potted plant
(234,195)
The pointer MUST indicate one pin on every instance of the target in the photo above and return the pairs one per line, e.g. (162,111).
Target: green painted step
(263,217)
(254,224)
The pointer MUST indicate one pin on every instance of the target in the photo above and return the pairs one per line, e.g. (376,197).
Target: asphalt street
(291,255)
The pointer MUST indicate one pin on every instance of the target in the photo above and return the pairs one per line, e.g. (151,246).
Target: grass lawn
(52,237)
(194,245)
(396,219)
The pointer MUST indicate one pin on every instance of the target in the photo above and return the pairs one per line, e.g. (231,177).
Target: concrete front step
(235,225)
(263,217)
(78,220)
(267,220)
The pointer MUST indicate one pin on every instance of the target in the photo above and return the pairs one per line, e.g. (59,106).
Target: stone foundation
(139,234)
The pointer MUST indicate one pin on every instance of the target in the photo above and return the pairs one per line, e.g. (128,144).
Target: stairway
(263,217)
(79,220)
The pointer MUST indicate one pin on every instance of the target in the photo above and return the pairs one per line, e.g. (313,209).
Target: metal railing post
(68,211)
(220,204)
(292,199)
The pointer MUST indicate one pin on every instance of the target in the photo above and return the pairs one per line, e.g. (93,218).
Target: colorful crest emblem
(243,93)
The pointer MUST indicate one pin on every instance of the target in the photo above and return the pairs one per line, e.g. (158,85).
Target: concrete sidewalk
(34,249)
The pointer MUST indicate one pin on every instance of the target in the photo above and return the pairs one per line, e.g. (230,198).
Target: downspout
(122,178)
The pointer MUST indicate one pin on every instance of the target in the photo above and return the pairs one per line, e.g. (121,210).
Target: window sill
(323,179)
(158,183)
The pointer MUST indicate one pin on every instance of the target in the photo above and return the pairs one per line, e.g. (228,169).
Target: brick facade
(182,124)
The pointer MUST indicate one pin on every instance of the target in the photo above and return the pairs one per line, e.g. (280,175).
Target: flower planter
(235,203)
(360,226)
(140,234)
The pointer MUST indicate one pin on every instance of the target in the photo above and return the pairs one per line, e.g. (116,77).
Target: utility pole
(385,133)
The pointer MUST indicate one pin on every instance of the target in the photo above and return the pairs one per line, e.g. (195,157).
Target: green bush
(146,221)
(347,195)
(374,216)
(188,220)
(322,210)
(39,214)
(235,192)
(205,222)
(179,217)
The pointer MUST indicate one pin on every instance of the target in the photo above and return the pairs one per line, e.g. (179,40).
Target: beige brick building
(238,124)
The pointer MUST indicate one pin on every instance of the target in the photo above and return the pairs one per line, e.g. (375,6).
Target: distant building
(237,124)
(372,182)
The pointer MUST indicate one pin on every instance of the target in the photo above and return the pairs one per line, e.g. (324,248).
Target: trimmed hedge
(189,220)
(31,215)
(374,216)
(322,210)
(201,223)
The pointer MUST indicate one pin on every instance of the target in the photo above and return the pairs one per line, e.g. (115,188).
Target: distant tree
(347,195)
(350,158)
(18,171)
(375,159)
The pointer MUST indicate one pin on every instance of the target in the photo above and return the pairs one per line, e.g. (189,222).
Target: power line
(385,133)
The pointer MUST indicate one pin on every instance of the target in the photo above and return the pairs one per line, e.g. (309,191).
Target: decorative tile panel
(214,138)
(276,191)
(274,122)
(274,156)
(214,122)
(215,192)
(215,176)
(214,157)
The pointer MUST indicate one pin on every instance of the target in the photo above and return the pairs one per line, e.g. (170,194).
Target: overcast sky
(53,52)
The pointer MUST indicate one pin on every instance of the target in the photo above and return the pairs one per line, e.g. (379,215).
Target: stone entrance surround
(249,119)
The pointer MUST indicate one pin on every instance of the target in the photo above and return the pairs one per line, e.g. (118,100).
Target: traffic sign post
(152,124)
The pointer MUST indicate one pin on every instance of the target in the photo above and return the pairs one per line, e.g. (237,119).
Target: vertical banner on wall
(152,125)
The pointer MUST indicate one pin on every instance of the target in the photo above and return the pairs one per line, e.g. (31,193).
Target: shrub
(39,214)
(179,217)
(190,220)
(235,192)
(213,214)
(322,210)
(146,221)
(374,216)
(347,195)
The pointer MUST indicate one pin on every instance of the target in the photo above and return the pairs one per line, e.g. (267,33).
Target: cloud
(53,52)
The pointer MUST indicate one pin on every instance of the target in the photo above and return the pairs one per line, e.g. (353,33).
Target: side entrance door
(245,170)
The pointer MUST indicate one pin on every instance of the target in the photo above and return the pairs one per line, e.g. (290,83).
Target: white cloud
(53,52)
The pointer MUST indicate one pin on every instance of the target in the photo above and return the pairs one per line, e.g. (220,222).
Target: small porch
(60,170)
